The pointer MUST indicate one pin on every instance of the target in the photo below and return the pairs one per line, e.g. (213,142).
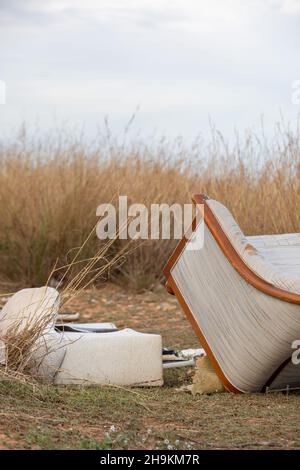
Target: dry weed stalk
(20,341)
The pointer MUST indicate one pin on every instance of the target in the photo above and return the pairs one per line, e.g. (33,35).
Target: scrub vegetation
(50,189)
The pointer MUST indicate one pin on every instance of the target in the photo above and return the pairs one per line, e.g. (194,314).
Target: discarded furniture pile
(241,295)
(81,353)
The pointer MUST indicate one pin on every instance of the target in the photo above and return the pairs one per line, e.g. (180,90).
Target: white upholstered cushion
(124,357)
(36,310)
(274,258)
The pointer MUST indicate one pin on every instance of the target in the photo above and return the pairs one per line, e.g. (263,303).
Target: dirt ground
(158,418)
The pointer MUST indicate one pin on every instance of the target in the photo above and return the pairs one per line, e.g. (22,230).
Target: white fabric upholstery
(283,251)
(124,357)
(36,309)
(28,307)
(248,332)
(274,258)
(121,357)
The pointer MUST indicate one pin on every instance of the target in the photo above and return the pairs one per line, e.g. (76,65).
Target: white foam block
(123,357)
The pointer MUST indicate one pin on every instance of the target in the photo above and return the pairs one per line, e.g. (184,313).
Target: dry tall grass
(49,192)
(27,337)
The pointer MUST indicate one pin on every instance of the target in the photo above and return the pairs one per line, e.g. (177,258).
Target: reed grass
(50,189)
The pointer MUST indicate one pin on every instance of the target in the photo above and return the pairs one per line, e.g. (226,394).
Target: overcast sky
(180,61)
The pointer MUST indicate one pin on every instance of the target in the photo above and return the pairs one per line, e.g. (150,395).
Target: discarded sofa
(242,297)
(124,357)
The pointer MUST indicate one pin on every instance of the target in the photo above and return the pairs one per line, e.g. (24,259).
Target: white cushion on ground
(47,355)
(36,308)
(123,357)
(28,307)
